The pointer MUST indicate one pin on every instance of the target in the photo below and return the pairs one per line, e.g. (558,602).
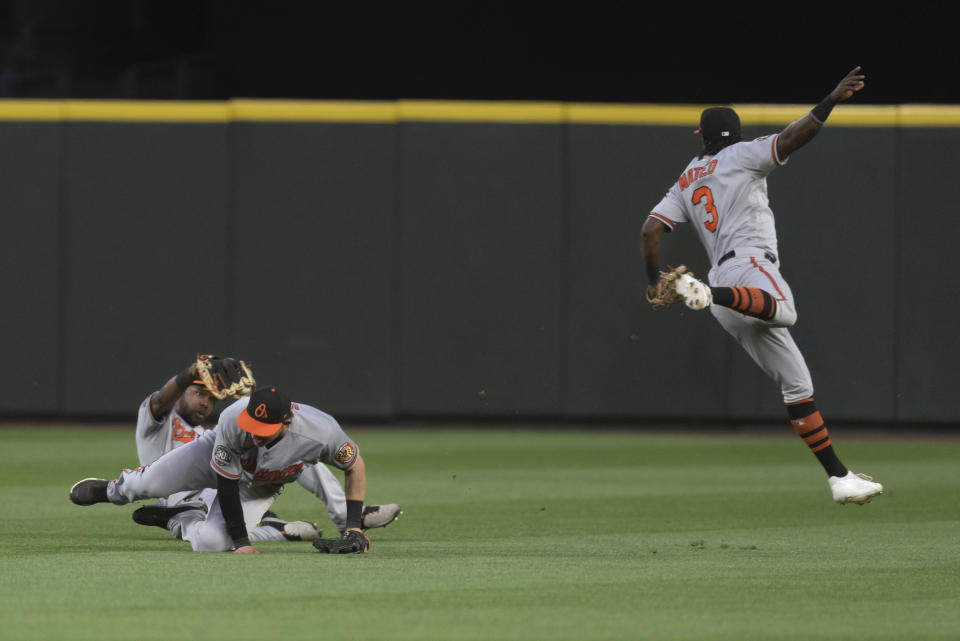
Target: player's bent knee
(210,538)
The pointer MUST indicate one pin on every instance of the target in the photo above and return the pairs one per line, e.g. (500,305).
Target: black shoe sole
(89,491)
(158,515)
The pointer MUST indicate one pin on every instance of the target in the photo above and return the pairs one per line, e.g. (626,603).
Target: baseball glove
(352,542)
(664,291)
(225,377)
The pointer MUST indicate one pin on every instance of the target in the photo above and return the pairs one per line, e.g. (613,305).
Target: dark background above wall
(606,51)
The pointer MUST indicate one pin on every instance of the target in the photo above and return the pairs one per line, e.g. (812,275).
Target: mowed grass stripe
(509,534)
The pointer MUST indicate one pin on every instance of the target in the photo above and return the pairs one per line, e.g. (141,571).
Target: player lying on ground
(260,443)
(723,194)
(176,414)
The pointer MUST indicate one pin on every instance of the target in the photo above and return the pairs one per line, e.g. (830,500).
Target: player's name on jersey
(263,475)
(696,173)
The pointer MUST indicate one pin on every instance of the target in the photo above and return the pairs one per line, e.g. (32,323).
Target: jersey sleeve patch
(346,455)
(222,456)
(222,459)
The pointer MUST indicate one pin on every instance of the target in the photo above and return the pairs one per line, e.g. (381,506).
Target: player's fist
(246,549)
(850,84)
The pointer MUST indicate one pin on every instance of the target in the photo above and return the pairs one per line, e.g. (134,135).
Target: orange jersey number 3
(704,193)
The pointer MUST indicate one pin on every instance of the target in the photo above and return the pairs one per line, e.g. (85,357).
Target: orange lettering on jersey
(696,173)
(704,193)
(267,476)
(261,410)
(181,432)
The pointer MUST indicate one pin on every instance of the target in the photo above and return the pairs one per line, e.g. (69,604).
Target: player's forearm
(228,494)
(162,401)
(355,488)
(355,481)
(796,135)
(801,131)
(651,234)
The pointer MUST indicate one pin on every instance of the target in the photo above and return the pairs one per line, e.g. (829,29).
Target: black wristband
(354,514)
(822,110)
(184,379)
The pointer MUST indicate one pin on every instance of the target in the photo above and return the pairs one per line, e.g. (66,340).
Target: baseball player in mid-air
(175,415)
(722,193)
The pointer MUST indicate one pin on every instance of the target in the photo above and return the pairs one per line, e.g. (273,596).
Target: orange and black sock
(808,423)
(751,301)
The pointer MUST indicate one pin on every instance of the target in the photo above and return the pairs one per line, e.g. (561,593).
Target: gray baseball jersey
(725,196)
(313,437)
(156,438)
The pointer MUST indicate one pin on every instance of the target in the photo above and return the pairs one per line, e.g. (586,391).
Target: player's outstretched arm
(163,400)
(801,131)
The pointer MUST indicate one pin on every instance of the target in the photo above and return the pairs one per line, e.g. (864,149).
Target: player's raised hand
(851,83)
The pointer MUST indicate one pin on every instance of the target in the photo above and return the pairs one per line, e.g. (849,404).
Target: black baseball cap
(265,413)
(719,123)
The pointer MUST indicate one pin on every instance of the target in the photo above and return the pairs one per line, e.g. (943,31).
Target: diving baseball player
(722,193)
(261,443)
(174,416)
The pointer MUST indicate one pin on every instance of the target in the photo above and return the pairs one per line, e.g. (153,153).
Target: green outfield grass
(509,534)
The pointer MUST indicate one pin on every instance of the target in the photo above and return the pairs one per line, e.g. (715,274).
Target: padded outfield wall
(476,260)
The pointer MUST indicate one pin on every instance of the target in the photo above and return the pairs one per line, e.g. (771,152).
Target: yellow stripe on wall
(613,114)
(32,110)
(241,110)
(477,111)
(930,115)
(145,111)
(313,111)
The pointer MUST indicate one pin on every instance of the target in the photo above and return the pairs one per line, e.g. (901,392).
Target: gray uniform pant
(768,343)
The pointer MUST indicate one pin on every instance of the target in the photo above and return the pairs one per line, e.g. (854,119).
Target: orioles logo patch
(261,411)
(346,453)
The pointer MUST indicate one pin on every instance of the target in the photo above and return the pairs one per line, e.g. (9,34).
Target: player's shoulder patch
(346,454)
(767,137)
(221,456)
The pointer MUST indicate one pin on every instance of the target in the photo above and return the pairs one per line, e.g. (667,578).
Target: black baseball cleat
(379,515)
(159,515)
(269,515)
(89,491)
